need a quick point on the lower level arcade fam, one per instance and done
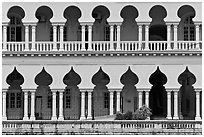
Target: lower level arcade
(74, 101)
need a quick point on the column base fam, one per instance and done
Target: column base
(60, 118)
(4, 118)
(89, 49)
(61, 49)
(25, 118)
(54, 49)
(82, 118)
(26, 50)
(32, 118)
(33, 50)
(54, 118)
(198, 118)
(169, 117)
(89, 117)
(175, 117)
(83, 49)
(4, 50)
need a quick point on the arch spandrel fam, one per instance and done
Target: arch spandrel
(29, 73)
(115, 72)
(172, 72)
(86, 72)
(143, 73)
(197, 71)
(6, 70)
(57, 72)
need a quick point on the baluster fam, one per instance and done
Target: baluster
(69, 46)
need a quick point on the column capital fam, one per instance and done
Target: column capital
(116, 89)
(198, 90)
(115, 23)
(84, 90)
(4, 90)
(175, 24)
(197, 24)
(86, 23)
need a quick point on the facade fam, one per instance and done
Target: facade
(77, 61)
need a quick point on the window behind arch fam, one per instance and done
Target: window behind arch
(14, 30)
(189, 29)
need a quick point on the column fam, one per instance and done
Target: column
(82, 105)
(197, 117)
(54, 116)
(197, 35)
(111, 37)
(140, 36)
(61, 115)
(61, 37)
(54, 38)
(140, 97)
(118, 101)
(147, 98)
(4, 117)
(33, 37)
(118, 36)
(89, 104)
(32, 115)
(111, 102)
(175, 37)
(168, 36)
(146, 37)
(25, 117)
(90, 37)
(83, 37)
(4, 37)
(175, 105)
(169, 104)
(26, 38)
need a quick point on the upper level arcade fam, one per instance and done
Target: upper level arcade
(96, 27)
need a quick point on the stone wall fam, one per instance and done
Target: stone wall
(147, 127)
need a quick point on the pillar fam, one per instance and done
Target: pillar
(54, 38)
(197, 26)
(140, 36)
(111, 102)
(146, 37)
(32, 115)
(61, 38)
(82, 105)
(83, 37)
(175, 105)
(4, 37)
(147, 98)
(111, 37)
(118, 101)
(197, 117)
(168, 36)
(118, 37)
(89, 37)
(54, 116)
(33, 37)
(25, 117)
(140, 97)
(89, 116)
(61, 115)
(4, 117)
(26, 38)
(175, 36)
(169, 104)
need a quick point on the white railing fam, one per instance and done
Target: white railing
(130, 46)
(188, 45)
(157, 45)
(15, 46)
(103, 127)
(44, 46)
(104, 46)
(72, 45)
(100, 45)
